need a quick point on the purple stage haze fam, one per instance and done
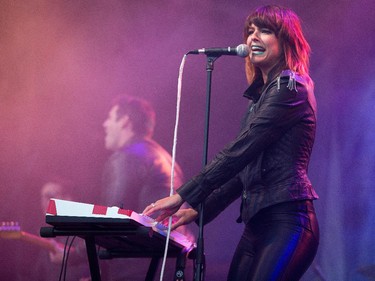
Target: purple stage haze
(63, 61)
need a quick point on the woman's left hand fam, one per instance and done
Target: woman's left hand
(166, 207)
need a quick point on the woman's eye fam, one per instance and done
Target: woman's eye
(249, 32)
(266, 31)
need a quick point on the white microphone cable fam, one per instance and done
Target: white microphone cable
(179, 86)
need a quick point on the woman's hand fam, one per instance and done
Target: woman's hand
(184, 216)
(165, 207)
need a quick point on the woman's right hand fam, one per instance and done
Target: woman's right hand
(184, 216)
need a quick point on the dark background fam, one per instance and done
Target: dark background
(61, 63)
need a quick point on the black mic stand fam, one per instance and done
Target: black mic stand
(200, 259)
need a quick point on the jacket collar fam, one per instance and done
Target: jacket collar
(254, 90)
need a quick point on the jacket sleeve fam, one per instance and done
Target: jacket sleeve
(278, 109)
(220, 199)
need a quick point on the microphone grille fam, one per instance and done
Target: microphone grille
(243, 50)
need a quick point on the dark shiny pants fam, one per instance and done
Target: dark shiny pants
(279, 243)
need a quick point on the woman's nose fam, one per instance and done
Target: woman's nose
(251, 39)
(254, 36)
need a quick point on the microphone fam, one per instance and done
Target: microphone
(241, 50)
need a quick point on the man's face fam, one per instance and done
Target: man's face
(113, 127)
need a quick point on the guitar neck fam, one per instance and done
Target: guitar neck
(36, 240)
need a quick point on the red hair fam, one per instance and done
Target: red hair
(287, 28)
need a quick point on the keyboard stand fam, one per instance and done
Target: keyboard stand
(120, 238)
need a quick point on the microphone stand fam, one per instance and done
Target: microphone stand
(200, 259)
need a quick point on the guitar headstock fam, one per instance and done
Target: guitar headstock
(10, 230)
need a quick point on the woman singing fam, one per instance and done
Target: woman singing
(266, 164)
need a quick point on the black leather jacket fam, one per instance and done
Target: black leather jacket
(267, 162)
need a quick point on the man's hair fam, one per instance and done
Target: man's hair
(67, 186)
(287, 28)
(140, 112)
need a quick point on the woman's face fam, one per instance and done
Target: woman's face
(265, 49)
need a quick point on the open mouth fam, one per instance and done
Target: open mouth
(257, 50)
